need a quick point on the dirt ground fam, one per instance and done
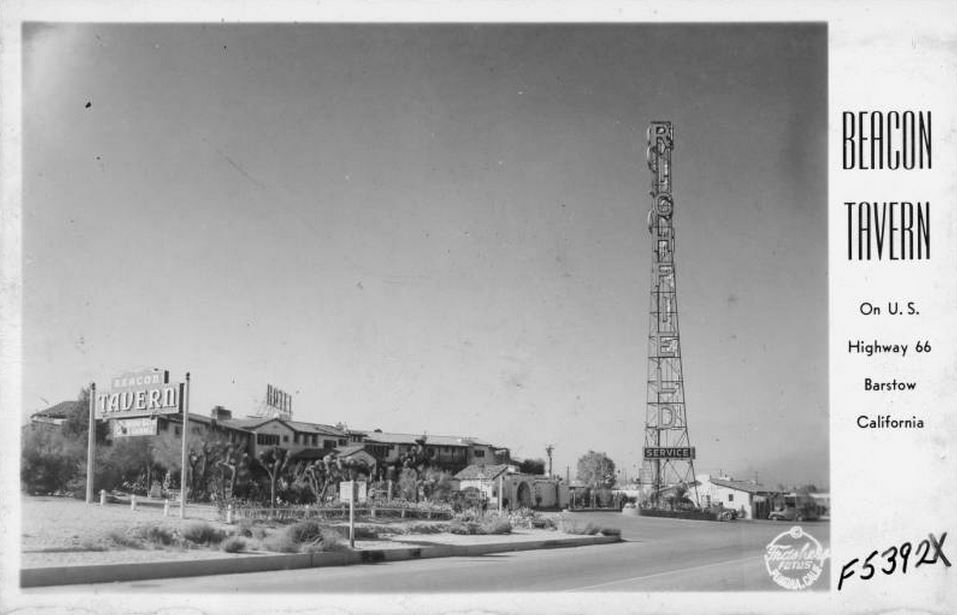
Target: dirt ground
(57, 531)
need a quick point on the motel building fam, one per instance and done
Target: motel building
(752, 500)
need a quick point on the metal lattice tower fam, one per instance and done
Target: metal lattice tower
(666, 420)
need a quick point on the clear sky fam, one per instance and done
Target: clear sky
(435, 229)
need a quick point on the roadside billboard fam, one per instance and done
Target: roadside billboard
(139, 393)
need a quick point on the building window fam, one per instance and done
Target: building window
(285, 438)
(343, 442)
(315, 439)
(295, 438)
(267, 439)
(177, 430)
(730, 497)
(328, 444)
(479, 453)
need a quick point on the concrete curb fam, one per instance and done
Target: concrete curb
(108, 573)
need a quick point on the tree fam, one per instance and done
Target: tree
(76, 425)
(596, 470)
(532, 466)
(48, 460)
(273, 460)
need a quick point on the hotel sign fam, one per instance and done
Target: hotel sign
(669, 452)
(139, 393)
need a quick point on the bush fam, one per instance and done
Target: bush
(571, 527)
(425, 528)
(329, 540)
(304, 531)
(122, 540)
(464, 528)
(234, 544)
(610, 531)
(246, 527)
(203, 533)
(497, 526)
(156, 535)
(281, 543)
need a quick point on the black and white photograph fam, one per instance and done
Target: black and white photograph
(383, 310)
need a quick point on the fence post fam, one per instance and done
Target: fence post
(166, 507)
(102, 497)
(229, 514)
(133, 503)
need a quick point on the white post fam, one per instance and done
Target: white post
(90, 445)
(229, 513)
(166, 507)
(102, 497)
(184, 399)
(133, 503)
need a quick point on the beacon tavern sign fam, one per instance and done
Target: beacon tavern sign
(139, 393)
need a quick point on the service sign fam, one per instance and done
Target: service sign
(669, 452)
(136, 393)
(139, 426)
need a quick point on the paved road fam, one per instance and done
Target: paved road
(659, 555)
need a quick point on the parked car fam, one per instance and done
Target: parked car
(791, 514)
(794, 507)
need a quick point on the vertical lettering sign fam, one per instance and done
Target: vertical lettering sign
(279, 400)
(139, 393)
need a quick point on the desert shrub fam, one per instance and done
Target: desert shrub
(123, 540)
(156, 535)
(246, 527)
(364, 532)
(203, 533)
(304, 531)
(234, 544)
(468, 514)
(571, 527)
(259, 533)
(497, 525)
(464, 528)
(425, 528)
(610, 531)
(280, 542)
(140, 537)
(328, 540)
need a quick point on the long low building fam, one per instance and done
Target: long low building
(303, 440)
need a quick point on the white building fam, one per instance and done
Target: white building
(518, 490)
(752, 500)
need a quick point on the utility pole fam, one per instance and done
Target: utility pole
(548, 451)
(184, 399)
(91, 445)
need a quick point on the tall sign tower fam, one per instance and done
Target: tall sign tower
(668, 465)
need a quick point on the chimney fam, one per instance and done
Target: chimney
(219, 413)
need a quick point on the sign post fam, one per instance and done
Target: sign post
(91, 444)
(184, 396)
(347, 493)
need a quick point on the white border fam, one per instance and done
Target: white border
(882, 55)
